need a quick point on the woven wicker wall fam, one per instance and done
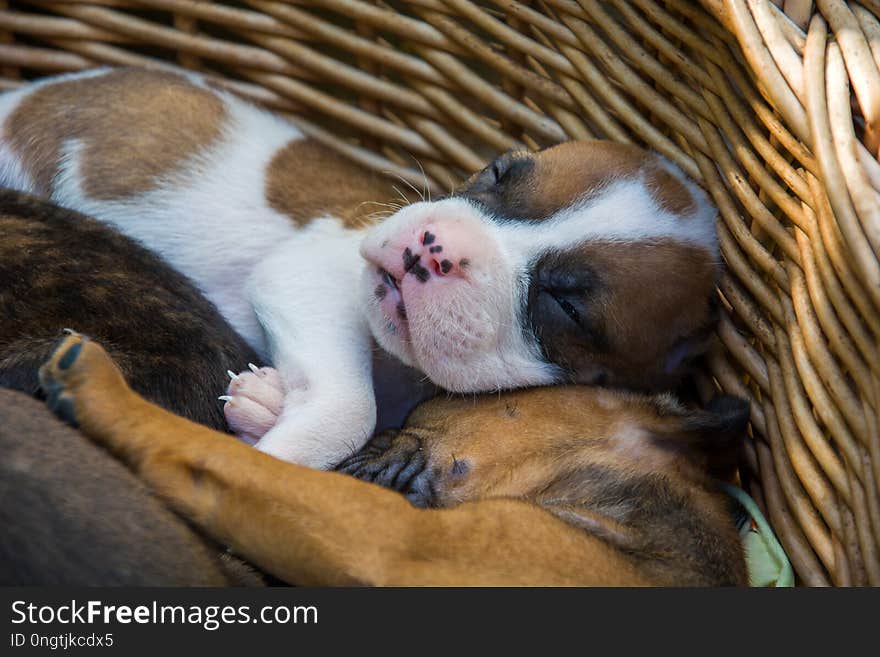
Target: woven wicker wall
(773, 106)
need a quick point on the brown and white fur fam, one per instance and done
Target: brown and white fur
(586, 262)
(560, 485)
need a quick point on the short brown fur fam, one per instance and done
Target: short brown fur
(563, 174)
(306, 179)
(517, 520)
(59, 268)
(71, 515)
(570, 172)
(669, 192)
(162, 119)
(642, 306)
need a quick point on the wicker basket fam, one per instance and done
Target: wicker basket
(773, 106)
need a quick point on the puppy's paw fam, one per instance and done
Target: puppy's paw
(396, 460)
(76, 368)
(254, 399)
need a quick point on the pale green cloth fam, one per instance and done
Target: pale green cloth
(765, 559)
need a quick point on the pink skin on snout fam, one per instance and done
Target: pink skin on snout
(436, 273)
(414, 267)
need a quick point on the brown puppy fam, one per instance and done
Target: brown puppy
(59, 268)
(73, 515)
(553, 486)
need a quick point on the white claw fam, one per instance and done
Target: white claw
(254, 368)
(225, 398)
(232, 375)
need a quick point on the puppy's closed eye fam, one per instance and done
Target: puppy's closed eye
(508, 167)
(560, 303)
(571, 289)
(570, 305)
(500, 174)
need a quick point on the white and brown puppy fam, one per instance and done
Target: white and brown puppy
(586, 262)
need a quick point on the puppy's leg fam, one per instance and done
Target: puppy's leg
(305, 296)
(302, 525)
(318, 528)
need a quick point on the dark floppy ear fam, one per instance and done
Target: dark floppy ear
(712, 436)
(725, 414)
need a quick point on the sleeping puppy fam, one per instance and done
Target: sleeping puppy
(59, 268)
(589, 262)
(564, 485)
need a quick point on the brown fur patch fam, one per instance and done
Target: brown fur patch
(669, 192)
(306, 179)
(647, 297)
(157, 121)
(61, 269)
(541, 184)
(574, 170)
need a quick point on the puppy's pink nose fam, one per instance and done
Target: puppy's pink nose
(446, 258)
(428, 250)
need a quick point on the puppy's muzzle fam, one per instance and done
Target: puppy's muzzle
(394, 460)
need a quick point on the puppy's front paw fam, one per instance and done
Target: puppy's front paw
(76, 369)
(393, 459)
(254, 399)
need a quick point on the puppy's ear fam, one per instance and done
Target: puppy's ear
(725, 414)
(711, 437)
